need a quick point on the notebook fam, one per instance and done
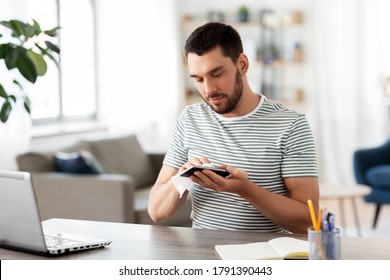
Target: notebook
(20, 224)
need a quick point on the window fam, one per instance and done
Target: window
(70, 92)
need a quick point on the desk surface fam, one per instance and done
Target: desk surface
(142, 242)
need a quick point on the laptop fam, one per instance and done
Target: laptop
(20, 223)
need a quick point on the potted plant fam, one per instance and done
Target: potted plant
(24, 46)
(243, 14)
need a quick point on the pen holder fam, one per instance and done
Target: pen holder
(324, 245)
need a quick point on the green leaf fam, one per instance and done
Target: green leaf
(3, 93)
(19, 28)
(27, 104)
(13, 97)
(6, 24)
(53, 47)
(37, 28)
(5, 111)
(29, 32)
(18, 84)
(27, 68)
(3, 50)
(49, 55)
(13, 53)
(38, 61)
(52, 32)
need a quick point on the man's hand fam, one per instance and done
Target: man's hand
(194, 161)
(234, 183)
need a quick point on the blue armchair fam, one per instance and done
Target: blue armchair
(372, 168)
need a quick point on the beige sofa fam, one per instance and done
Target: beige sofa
(120, 194)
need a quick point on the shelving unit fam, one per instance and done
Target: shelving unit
(274, 45)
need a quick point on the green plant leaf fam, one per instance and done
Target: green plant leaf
(18, 84)
(52, 32)
(13, 53)
(29, 32)
(3, 50)
(27, 68)
(27, 104)
(38, 61)
(49, 55)
(13, 97)
(37, 28)
(18, 27)
(3, 93)
(6, 24)
(53, 47)
(5, 111)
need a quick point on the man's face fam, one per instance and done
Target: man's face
(217, 79)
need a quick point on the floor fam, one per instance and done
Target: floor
(366, 215)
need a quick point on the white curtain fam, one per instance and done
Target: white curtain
(351, 53)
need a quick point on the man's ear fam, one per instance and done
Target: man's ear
(243, 63)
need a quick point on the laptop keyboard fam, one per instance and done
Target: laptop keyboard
(56, 242)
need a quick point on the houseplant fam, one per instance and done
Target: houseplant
(243, 14)
(24, 46)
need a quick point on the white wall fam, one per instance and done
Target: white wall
(14, 135)
(137, 71)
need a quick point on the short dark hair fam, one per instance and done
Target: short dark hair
(211, 35)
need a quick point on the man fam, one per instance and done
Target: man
(267, 148)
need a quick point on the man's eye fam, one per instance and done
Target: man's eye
(199, 80)
(216, 75)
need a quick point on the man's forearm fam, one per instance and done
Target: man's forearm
(164, 201)
(286, 212)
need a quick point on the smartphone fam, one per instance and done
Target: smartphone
(190, 171)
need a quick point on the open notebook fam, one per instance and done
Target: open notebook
(277, 248)
(20, 224)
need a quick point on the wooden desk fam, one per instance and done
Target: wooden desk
(340, 193)
(142, 242)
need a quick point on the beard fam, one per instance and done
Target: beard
(232, 101)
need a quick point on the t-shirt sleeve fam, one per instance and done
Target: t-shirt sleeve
(176, 155)
(299, 153)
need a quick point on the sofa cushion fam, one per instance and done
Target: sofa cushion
(44, 161)
(124, 155)
(82, 162)
(36, 162)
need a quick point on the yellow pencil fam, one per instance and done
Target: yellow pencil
(319, 219)
(312, 214)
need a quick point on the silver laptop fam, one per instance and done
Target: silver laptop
(20, 224)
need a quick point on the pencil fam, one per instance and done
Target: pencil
(313, 215)
(319, 220)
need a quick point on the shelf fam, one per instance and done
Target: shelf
(274, 46)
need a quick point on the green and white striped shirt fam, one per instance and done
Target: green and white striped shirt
(271, 143)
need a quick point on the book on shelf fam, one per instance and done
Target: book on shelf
(275, 249)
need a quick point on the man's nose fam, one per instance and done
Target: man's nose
(210, 87)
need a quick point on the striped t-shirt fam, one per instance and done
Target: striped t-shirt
(271, 143)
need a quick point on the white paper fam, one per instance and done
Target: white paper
(184, 183)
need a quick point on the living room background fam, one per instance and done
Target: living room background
(140, 75)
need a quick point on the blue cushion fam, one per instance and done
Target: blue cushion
(82, 162)
(379, 176)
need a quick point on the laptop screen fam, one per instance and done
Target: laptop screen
(20, 223)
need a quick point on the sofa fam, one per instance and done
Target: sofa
(100, 180)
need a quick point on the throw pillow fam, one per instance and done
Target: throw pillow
(82, 162)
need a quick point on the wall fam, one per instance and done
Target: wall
(137, 71)
(14, 134)
(303, 73)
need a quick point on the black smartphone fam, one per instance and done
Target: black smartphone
(190, 171)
